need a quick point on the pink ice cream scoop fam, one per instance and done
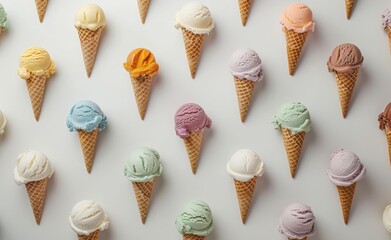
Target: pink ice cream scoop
(190, 117)
(298, 17)
(345, 168)
(297, 221)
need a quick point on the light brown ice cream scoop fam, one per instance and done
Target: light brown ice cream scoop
(345, 58)
(385, 117)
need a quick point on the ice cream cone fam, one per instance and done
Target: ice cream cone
(193, 147)
(36, 86)
(193, 43)
(91, 236)
(244, 91)
(294, 43)
(143, 6)
(346, 84)
(41, 8)
(293, 145)
(89, 41)
(88, 143)
(244, 6)
(346, 197)
(142, 90)
(297, 238)
(143, 192)
(37, 192)
(349, 7)
(388, 134)
(389, 37)
(244, 193)
(192, 237)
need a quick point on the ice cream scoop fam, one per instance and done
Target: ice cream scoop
(190, 117)
(345, 58)
(386, 19)
(387, 218)
(195, 17)
(244, 165)
(297, 221)
(90, 16)
(87, 116)
(298, 17)
(385, 118)
(345, 168)
(87, 217)
(3, 122)
(32, 166)
(195, 219)
(37, 61)
(246, 64)
(143, 165)
(3, 19)
(293, 116)
(141, 62)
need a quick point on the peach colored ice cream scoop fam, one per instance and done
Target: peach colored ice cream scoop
(298, 17)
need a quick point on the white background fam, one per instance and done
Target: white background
(213, 88)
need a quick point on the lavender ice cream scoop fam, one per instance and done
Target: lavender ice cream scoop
(386, 19)
(190, 117)
(246, 64)
(345, 168)
(297, 221)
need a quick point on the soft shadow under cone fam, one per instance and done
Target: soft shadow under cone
(36, 86)
(92, 236)
(143, 6)
(346, 83)
(88, 143)
(294, 44)
(192, 237)
(244, 193)
(346, 195)
(244, 6)
(89, 41)
(193, 43)
(244, 91)
(193, 147)
(293, 145)
(37, 192)
(349, 7)
(41, 8)
(142, 90)
(143, 192)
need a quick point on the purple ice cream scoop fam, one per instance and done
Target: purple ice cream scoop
(190, 117)
(246, 64)
(386, 19)
(297, 221)
(345, 168)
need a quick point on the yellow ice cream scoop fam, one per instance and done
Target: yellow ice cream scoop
(141, 62)
(37, 61)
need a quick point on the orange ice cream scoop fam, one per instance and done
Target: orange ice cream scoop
(298, 17)
(141, 62)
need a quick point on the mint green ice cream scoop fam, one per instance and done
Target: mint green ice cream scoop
(293, 116)
(3, 18)
(196, 219)
(143, 165)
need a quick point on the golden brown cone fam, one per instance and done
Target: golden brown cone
(244, 6)
(244, 91)
(297, 238)
(193, 44)
(388, 134)
(293, 145)
(142, 90)
(89, 41)
(349, 7)
(294, 43)
(41, 8)
(36, 86)
(193, 147)
(37, 192)
(346, 195)
(192, 237)
(143, 6)
(244, 193)
(88, 143)
(91, 236)
(389, 37)
(346, 83)
(143, 192)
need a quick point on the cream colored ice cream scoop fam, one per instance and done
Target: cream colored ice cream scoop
(90, 16)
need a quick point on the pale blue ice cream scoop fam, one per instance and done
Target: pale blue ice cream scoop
(87, 116)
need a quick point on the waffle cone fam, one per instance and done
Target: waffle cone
(89, 41)
(346, 195)
(192, 237)
(388, 134)
(294, 43)
(389, 37)
(244, 91)
(37, 192)
(244, 193)
(193, 147)
(297, 238)
(91, 236)
(143, 192)
(193, 43)
(143, 6)
(346, 84)
(41, 8)
(142, 90)
(244, 7)
(88, 143)
(36, 86)
(349, 7)
(293, 145)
